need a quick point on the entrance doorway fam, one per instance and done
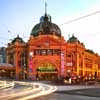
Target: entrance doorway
(47, 71)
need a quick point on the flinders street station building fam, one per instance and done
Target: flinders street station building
(48, 56)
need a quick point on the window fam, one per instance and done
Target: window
(47, 51)
(56, 51)
(43, 52)
(68, 55)
(50, 52)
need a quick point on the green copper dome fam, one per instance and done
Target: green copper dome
(19, 39)
(45, 27)
(73, 39)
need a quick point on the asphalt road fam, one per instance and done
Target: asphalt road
(71, 92)
(85, 94)
(6, 93)
(91, 92)
(25, 91)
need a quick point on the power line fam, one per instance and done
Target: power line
(70, 21)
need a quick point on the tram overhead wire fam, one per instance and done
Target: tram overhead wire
(82, 17)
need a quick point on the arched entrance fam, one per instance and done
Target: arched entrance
(46, 71)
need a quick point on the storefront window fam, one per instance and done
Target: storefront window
(47, 67)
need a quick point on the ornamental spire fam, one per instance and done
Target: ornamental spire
(45, 7)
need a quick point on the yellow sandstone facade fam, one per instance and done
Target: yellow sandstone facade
(48, 56)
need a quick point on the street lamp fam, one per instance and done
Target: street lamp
(31, 54)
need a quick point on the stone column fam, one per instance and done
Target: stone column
(17, 66)
(83, 65)
(77, 64)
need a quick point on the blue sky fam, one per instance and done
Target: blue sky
(20, 16)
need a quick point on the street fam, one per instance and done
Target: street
(42, 91)
(25, 90)
(74, 92)
(59, 96)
